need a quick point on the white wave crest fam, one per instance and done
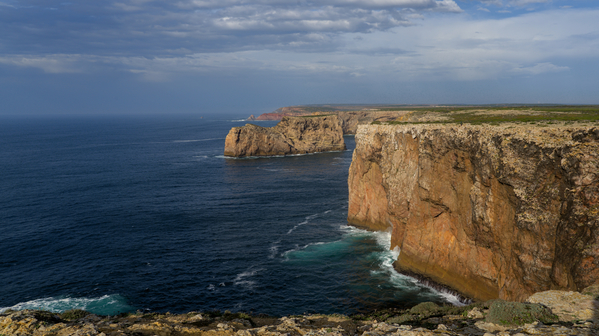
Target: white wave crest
(274, 249)
(389, 256)
(197, 140)
(308, 219)
(242, 278)
(104, 305)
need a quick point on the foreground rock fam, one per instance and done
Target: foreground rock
(490, 211)
(293, 135)
(488, 318)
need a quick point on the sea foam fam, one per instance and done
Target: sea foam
(104, 305)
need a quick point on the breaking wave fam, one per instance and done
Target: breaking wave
(104, 305)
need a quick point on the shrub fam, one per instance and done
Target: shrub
(516, 313)
(73, 314)
(425, 308)
(402, 319)
(46, 316)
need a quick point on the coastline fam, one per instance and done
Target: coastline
(482, 318)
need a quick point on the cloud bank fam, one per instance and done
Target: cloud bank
(150, 28)
(355, 45)
(441, 49)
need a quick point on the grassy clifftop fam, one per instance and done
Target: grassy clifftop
(496, 115)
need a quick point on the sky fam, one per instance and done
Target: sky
(253, 56)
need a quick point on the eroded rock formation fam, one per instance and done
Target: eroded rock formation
(292, 135)
(490, 211)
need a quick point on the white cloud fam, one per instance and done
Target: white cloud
(327, 19)
(540, 68)
(416, 4)
(522, 3)
(492, 2)
(447, 48)
(49, 64)
(152, 27)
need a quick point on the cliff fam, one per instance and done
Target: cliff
(292, 135)
(490, 211)
(349, 119)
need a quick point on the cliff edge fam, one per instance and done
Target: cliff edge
(490, 211)
(292, 135)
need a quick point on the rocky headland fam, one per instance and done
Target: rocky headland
(353, 115)
(503, 213)
(349, 119)
(491, 211)
(292, 135)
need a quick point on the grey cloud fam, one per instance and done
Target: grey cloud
(154, 28)
(512, 3)
(490, 2)
(381, 52)
(419, 4)
(540, 68)
(526, 2)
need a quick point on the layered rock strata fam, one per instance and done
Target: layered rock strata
(490, 211)
(292, 135)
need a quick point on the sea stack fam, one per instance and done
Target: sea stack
(292, 135)
(490, 211)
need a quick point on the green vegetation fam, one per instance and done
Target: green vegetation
(466, 108)
(73, 314)
(524, 118)
(471, 114)
(318, 109)
(316, 116)
(46, 316)
(425, 308)
(419, 313)
(516, 313)
(542, 116)
(401, 319)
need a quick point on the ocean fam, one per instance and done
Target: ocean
(117, 214)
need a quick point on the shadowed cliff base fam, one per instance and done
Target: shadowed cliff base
(292, 135)
(440, 287)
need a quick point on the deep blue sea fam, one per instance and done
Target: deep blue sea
(116, 214)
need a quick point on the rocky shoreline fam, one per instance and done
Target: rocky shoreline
(546, 313)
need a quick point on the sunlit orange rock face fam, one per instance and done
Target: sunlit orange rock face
(292, 135)
(490, 211)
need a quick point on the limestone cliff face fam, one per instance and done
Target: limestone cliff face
(490, 211)
(292, 135)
